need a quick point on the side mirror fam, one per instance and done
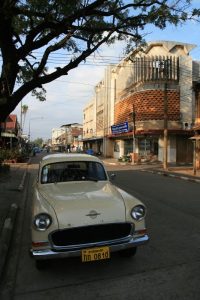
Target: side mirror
(112, 176)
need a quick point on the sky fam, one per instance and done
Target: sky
(67, 96)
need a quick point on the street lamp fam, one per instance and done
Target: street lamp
(29, 128)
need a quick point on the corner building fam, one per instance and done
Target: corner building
(151, 90)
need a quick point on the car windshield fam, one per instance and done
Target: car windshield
(73, 171)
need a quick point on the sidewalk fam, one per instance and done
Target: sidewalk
(11, 187)
(184, 172)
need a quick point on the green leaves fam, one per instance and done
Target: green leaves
(39, 93)
(33, 30)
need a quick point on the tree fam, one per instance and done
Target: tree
(24, 109)
(31, 31)
(39, 142)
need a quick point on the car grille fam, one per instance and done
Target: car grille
(90, 234)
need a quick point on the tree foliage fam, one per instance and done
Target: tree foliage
(24, 109)
(32, 31)
(39, 142)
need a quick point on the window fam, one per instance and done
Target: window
(73, 171)
(128, 147)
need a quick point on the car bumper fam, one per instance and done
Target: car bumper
(50, 254)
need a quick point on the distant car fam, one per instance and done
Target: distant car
(90, 151)
(77, 211)
(36, 150)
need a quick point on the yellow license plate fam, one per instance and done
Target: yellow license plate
(92, 254)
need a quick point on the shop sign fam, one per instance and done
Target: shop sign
(119, 128)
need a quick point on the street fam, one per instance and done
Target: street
(168, 267)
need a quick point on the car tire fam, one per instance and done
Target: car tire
(41, 264)
(128, 252)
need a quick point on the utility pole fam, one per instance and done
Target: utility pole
(133, 119)
(165, 134)
(21, 120)
(165, 118)
(29, 128)
(194, 156)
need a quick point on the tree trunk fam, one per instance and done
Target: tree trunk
(7, 105)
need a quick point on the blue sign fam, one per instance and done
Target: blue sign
(119, 128)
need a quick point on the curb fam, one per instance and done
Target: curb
(183, 177)
(6, 234)
(21, 186)
(110, 163)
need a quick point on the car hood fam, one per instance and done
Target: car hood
(81, 204)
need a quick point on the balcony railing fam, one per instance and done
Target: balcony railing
(156, 68)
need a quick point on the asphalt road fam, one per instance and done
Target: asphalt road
(167, 268)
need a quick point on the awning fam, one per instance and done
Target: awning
(92, 139)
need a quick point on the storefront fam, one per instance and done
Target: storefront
(8, 140)
(146, 147)
(95, 144)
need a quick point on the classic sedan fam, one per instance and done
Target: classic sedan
(77, 211)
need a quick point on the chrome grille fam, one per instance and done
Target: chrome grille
(90, 234)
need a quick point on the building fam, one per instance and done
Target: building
(98, 116)
(68, 137)
(89, 125)
(148, 104)
(9, 132)
(56, 135)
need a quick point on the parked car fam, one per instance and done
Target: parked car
(77, 211)
(36, 150)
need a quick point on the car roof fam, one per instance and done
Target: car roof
(65, 157)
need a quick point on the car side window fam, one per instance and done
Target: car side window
(100, 171)
(45, 175)
(50, 174)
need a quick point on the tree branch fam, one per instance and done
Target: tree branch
(34, 83)
(48, 51)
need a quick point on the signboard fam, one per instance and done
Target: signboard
(8, 134)
(119, 128)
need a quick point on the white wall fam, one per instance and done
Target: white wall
(186, 92)
(171, 151)
(56, 132)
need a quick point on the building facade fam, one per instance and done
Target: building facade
(98, 116)
(150, 104)
(68, 137)
(9, 132)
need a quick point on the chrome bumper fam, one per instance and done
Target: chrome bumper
(49, 254)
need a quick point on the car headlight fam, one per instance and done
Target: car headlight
(42, 221)
(138, 212)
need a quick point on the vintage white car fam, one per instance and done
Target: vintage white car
(77, 211)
